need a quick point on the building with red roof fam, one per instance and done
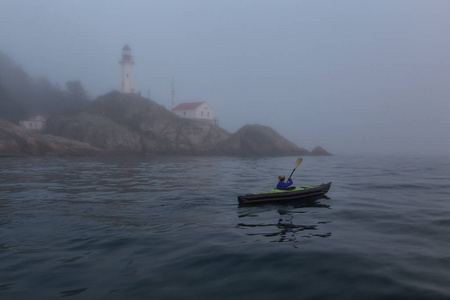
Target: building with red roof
(195, 110)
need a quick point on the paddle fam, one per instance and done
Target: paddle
(297, 163)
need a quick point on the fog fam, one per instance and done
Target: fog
(354, 77)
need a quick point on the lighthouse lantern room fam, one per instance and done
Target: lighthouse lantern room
(126, 70)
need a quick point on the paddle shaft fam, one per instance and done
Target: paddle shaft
(290, 175)
(297, 163)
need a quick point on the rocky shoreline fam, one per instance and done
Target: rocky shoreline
(126, 124)
(16, 141)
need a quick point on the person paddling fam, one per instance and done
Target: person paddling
(283, 185)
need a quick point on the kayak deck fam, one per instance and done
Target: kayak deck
(276, 195)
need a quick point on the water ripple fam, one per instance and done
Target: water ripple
(171, 228)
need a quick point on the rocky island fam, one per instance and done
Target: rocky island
(118, 123)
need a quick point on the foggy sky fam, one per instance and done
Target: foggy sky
(352, 76)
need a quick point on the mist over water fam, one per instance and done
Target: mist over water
(171, 227)
(353, 77)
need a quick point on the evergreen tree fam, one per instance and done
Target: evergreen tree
(9, 109)
(49, 98)
(76, 96)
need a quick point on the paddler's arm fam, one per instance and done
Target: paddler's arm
(289, 182)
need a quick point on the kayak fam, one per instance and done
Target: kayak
(276, 195)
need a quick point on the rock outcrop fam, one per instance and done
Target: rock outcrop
(97, 131)
(122, 123)
(319, 151)
(258, 140)
(18, 141)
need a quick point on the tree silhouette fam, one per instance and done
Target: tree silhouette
(75, 91)
(9, 109)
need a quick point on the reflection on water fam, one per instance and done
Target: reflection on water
(72, 292)
(286, 229)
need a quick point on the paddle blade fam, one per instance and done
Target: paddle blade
(298, 162)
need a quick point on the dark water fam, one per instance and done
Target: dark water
(170, 228)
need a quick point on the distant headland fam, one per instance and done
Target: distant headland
(67, 123)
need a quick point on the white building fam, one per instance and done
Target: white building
(126, 70)
(36, 123)
(195, 110)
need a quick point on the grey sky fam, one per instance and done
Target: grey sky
(351, 76)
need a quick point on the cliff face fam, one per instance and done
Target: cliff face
(17, 141)
(97, 131)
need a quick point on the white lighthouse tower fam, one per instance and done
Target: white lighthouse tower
(126, 70)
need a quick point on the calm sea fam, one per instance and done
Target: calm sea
(171, 228)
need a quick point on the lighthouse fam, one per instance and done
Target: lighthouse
(126, 70)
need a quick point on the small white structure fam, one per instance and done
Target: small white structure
(37, 123)
(126, 70)
(195, 110)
